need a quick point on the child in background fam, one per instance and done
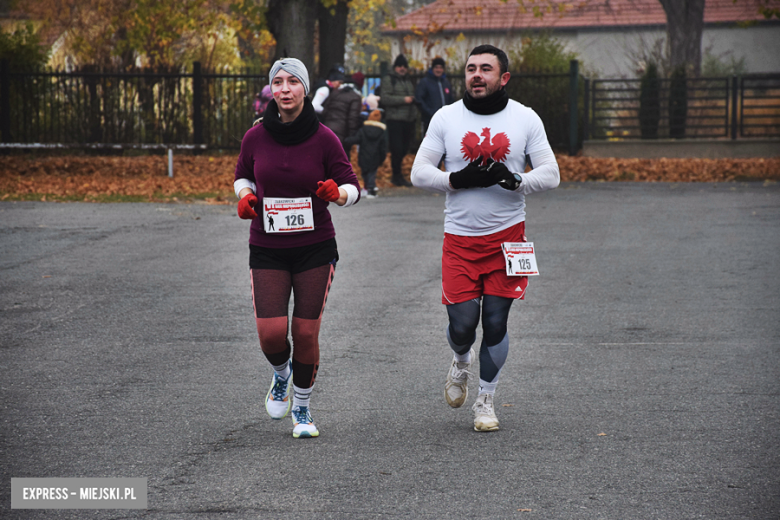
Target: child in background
(372, 138)
(261, 101)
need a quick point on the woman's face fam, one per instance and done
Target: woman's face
(289, 93)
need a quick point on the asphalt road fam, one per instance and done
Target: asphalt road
(642, 382)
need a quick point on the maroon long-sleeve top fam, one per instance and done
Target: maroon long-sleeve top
(292, 172)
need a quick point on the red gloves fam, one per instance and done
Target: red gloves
(245, 206)
(328, 190)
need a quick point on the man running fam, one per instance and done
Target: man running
(485, 139)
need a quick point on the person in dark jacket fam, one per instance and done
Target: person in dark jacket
(341, 112)
(433, 91)
(372, 138)
(400, 113)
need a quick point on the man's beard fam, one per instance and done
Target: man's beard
(488, 89)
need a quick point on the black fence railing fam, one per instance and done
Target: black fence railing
(203, 109)
(209, 109)
(747, 106)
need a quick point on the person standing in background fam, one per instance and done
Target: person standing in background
(372, 152)
(322, 89)
(433, 91)
(400, 115)
(341, 112)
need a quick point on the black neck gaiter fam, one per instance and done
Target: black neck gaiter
(295, 132)
(495, 102)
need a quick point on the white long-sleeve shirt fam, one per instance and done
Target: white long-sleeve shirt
(508, 136)
(319, 98)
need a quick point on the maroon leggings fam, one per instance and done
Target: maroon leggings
(271, 295)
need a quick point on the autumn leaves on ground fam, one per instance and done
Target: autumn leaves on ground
(209, 179)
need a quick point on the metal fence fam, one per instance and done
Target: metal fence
(99, 109)
(94, 107)
(746, 106)
(213, 110)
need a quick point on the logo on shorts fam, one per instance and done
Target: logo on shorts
(495, 148)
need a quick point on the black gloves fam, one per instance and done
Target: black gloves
(503, 177)
(476, 176)
(472, 176)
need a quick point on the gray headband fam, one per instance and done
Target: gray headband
(291, 66)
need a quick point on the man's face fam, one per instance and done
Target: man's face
(335, 84)
(401, 70)
(438, 70)
(483, 75)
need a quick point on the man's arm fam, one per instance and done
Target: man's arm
(545, 174)
(425, 170)
(426, 173)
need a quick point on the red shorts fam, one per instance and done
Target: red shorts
(475, 266)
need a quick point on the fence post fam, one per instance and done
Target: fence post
(197, 103)
(573, 112)
(5, 101)
(734, 97)
(586, 108)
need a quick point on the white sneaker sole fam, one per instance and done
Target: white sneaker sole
(306, 434)
(485, 426)
(268, 401)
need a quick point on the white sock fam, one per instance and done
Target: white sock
(487, 388)
(463, 358)
(283, 371)
(301, 396)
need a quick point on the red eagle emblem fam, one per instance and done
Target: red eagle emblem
(496, 148)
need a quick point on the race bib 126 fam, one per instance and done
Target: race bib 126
(287, 215)
(520, 258)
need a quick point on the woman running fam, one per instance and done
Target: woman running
(294, 167)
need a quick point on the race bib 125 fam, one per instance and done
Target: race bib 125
(520, 258)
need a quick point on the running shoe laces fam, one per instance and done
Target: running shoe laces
(277, 400)
(456, 389)
(485, 419)
(279, 389)
(303, 425)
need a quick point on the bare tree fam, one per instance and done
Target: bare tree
(684, 25)
(333, 34)
(292, 24)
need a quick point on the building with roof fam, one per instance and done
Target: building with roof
(609, 36)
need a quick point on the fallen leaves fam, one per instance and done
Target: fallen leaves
(210, 178)
(668, 170)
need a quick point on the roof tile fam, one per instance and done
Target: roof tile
(497, 15)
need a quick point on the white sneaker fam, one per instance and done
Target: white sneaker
(303, 426)
(277, 400)
(485, 419)
(456, 389)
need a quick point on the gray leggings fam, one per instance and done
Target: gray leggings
(462, 332)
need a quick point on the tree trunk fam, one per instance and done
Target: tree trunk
(684, 24)
(292, 24)
(333, 34)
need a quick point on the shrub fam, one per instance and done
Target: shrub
(649, 103)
